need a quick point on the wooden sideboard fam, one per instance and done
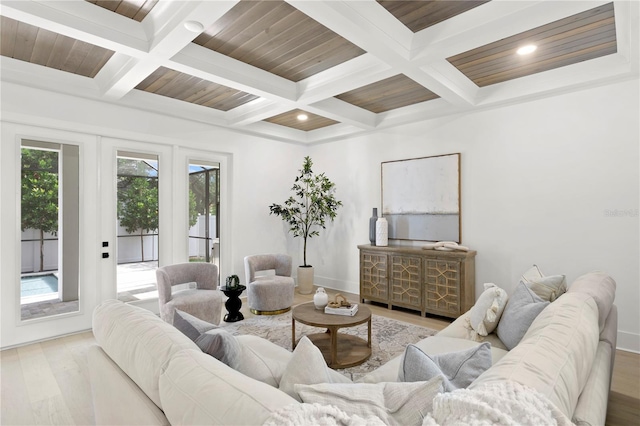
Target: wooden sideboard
(430, 281)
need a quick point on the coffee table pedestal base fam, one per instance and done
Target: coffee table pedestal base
(350, 350)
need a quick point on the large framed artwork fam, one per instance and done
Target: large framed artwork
(421, 198)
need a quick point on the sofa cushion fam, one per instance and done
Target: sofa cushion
(461, 329)
(457, 369)
(485, 314)
(556, 355)
(522, 308)
(221, 345)
(433, 345)
(307, 366)
(197, 389)
(191, 326)
(394, 403)
(139, 342)
(547, 287)
(602, 288)
(262, 360)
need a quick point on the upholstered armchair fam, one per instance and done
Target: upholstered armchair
(269, 294)
(204, 301)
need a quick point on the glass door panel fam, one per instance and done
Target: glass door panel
(49, 225)
(137, 226)
(204, 207)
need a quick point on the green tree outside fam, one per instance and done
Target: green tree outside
(39, 187)
(138, 206)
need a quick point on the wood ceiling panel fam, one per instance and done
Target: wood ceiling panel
(418, 15)
(42, 47)
(290, 119)
(391, 93)
(587, 35)
(185, 87)
(276, 37)
(134, 9)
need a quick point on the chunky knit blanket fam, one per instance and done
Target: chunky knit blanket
(317, 414)
(501, 403)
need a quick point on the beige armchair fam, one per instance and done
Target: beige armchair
(204, 301)
(269, 294)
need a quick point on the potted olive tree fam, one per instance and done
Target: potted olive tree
(308, 209)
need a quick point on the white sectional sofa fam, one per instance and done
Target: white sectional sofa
(145, 371)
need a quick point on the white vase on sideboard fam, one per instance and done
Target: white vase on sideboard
(382, 232)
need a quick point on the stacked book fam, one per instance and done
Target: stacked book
(343, 310)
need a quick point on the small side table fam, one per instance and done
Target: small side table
(233, 303)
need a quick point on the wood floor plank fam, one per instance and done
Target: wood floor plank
(52, 411)
(67, 358)
(15, 408)
(38, 377)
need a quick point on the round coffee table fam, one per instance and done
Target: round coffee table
(339, 350)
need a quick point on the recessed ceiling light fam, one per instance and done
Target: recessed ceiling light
(525, 50)
(194, 26)
(302, 117)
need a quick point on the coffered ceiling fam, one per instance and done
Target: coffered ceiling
(348, 66)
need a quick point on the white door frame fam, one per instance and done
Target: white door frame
(15, 331)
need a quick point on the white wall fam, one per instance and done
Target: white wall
(539, 181)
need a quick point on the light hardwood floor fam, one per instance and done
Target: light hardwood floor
(47, 383)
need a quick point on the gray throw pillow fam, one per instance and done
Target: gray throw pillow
(221, 345)
(191, 326)
(522, 308)
(457, 369)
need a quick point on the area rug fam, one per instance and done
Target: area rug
(389, 337)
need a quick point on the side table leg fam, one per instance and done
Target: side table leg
(293, 333)
(369, 332)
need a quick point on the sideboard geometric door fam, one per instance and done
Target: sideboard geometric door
(374, 284)
(406, 281)
(442, 287)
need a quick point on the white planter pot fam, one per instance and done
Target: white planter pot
(305, 279)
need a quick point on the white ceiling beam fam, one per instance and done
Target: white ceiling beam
(218, 68)
(343, 112)
(257, 110)
(82, 21)
(168, 36)
(605, 69)
(353, 74)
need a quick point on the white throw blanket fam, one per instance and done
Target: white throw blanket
(317, 414)
(500, 403)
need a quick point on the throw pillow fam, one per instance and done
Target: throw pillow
(457, 369)
(307, 366)
(547, 287)
(395, 403)
(191, 326)
(221, 345)
(522, 308)
(485, 314)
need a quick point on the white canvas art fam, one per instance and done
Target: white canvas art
(421, 198)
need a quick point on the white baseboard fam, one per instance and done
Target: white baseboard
(629, 342)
